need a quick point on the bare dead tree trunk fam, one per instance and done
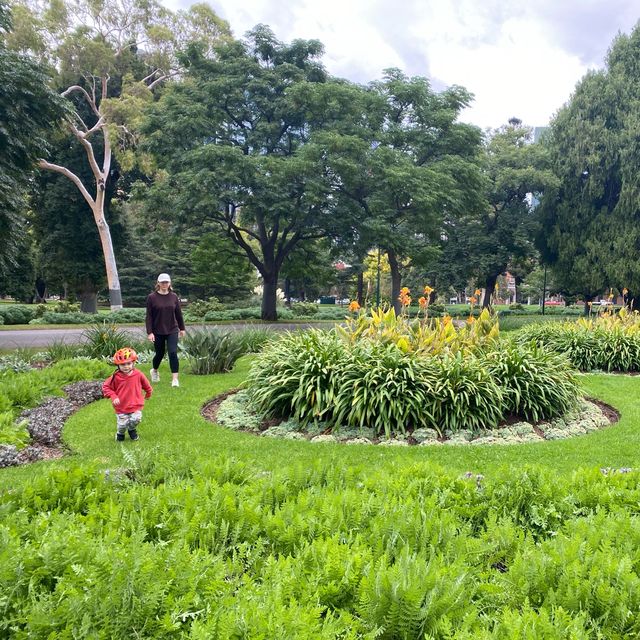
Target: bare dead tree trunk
(101, 174)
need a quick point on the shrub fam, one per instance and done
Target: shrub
(74, 370)
(51, 317)
(379, 386)
(103, 340)
(466, 396)
(59, 350)
(391, 375)
(326, 312)
(535, 383)
(12, 433)
(64, 306)
(124, 315)
(294, 376)
(17, 313)
(212, 351)
(254, 339)
(198, 309)
(247, 313)
(607, 343)
(304, 309)
(14, 363)
(24, 390)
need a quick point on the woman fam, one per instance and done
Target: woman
(164, 325)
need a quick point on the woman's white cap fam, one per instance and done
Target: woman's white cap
(164, 277)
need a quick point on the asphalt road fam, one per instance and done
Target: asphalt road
(43, 337)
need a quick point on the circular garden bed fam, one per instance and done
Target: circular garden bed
(232, 410)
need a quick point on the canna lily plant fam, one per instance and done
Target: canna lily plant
(439, 335)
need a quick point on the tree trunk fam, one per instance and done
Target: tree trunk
(269, 298)
(88, 301)
(587, 307)
(287, 291)
(101, 176)
(361, 288)
(115, 294)
(490, 286)
(396, 280)
(41, 291)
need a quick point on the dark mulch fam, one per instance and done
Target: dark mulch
(210, 410)
(613, 415)
(45, 422)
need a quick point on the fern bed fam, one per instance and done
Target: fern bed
(197, 531)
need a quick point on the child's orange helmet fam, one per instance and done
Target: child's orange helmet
(124, 355)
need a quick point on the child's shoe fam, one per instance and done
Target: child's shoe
(155, 376)
(119, 437)
(175, 382)
(133, 434)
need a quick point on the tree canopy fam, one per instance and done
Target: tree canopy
(28, 110)
(590, 232)
(408, 166)
(233, 143)
(109, 56)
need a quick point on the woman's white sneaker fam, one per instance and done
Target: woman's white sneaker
(155, 376)
(175, 382)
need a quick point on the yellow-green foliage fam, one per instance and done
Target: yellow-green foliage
(435, 336)
(608, 342)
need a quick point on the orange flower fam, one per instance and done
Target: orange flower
(428, 290)
(473, 299)
(404, 291)
(625, 291)
(477, 292)
(405, 299)
(423, 302)
(354, 306)
(470, 320)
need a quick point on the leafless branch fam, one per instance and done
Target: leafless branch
(44, 164)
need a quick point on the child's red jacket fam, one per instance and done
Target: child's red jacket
(129, 389)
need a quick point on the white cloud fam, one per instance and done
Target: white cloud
(519, 73)
(519, 58)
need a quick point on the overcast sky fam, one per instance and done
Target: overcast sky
(519, 58)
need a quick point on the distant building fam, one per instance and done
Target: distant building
(538, 133)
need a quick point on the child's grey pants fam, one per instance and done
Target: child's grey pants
(128, 421)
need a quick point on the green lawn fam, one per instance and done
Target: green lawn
(172, 420)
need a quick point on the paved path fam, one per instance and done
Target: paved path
(43, 337)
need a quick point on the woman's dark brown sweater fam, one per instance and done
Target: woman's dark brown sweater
(164, 315)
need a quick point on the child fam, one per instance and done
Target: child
(125, 388)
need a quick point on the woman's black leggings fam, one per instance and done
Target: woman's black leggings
(171, 342)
